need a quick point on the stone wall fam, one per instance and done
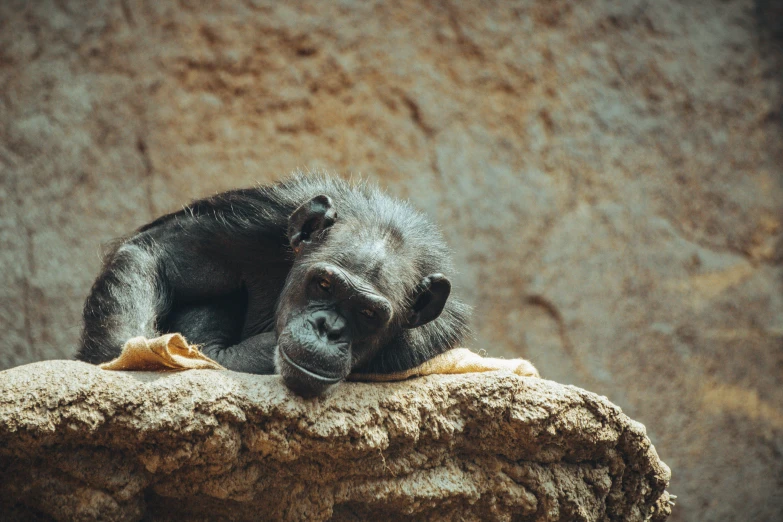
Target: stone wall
(608, 173)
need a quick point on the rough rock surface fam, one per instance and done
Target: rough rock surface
(607, 171)
(79, 443)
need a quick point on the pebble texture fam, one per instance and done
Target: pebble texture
(80, 443)
(608, 173)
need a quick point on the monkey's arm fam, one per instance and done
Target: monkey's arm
(253, 355)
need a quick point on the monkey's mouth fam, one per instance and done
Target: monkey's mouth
(325, 379)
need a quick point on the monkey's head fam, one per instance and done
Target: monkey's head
(361, 280)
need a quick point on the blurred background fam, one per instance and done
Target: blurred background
(609, 174)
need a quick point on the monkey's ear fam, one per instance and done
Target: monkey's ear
(309, 219)
(431, 296)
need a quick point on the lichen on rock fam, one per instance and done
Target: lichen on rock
(79, 443)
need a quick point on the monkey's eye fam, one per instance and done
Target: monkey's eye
(325, 284)
(368, 313)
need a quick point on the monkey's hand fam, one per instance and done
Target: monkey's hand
(170, 352)
(458, 360)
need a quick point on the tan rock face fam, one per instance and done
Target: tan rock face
(608, 174)
(79, 443)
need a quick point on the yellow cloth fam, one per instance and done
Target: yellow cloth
(457, 360)
(171, 352)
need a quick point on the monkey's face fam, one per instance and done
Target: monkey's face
(329, 322)
(332, 315)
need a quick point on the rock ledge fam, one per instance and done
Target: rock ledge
(79, 443)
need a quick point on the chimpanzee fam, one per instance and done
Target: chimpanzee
(312, 278)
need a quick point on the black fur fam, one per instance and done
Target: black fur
(223, 272)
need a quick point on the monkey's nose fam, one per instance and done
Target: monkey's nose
(330, 325)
